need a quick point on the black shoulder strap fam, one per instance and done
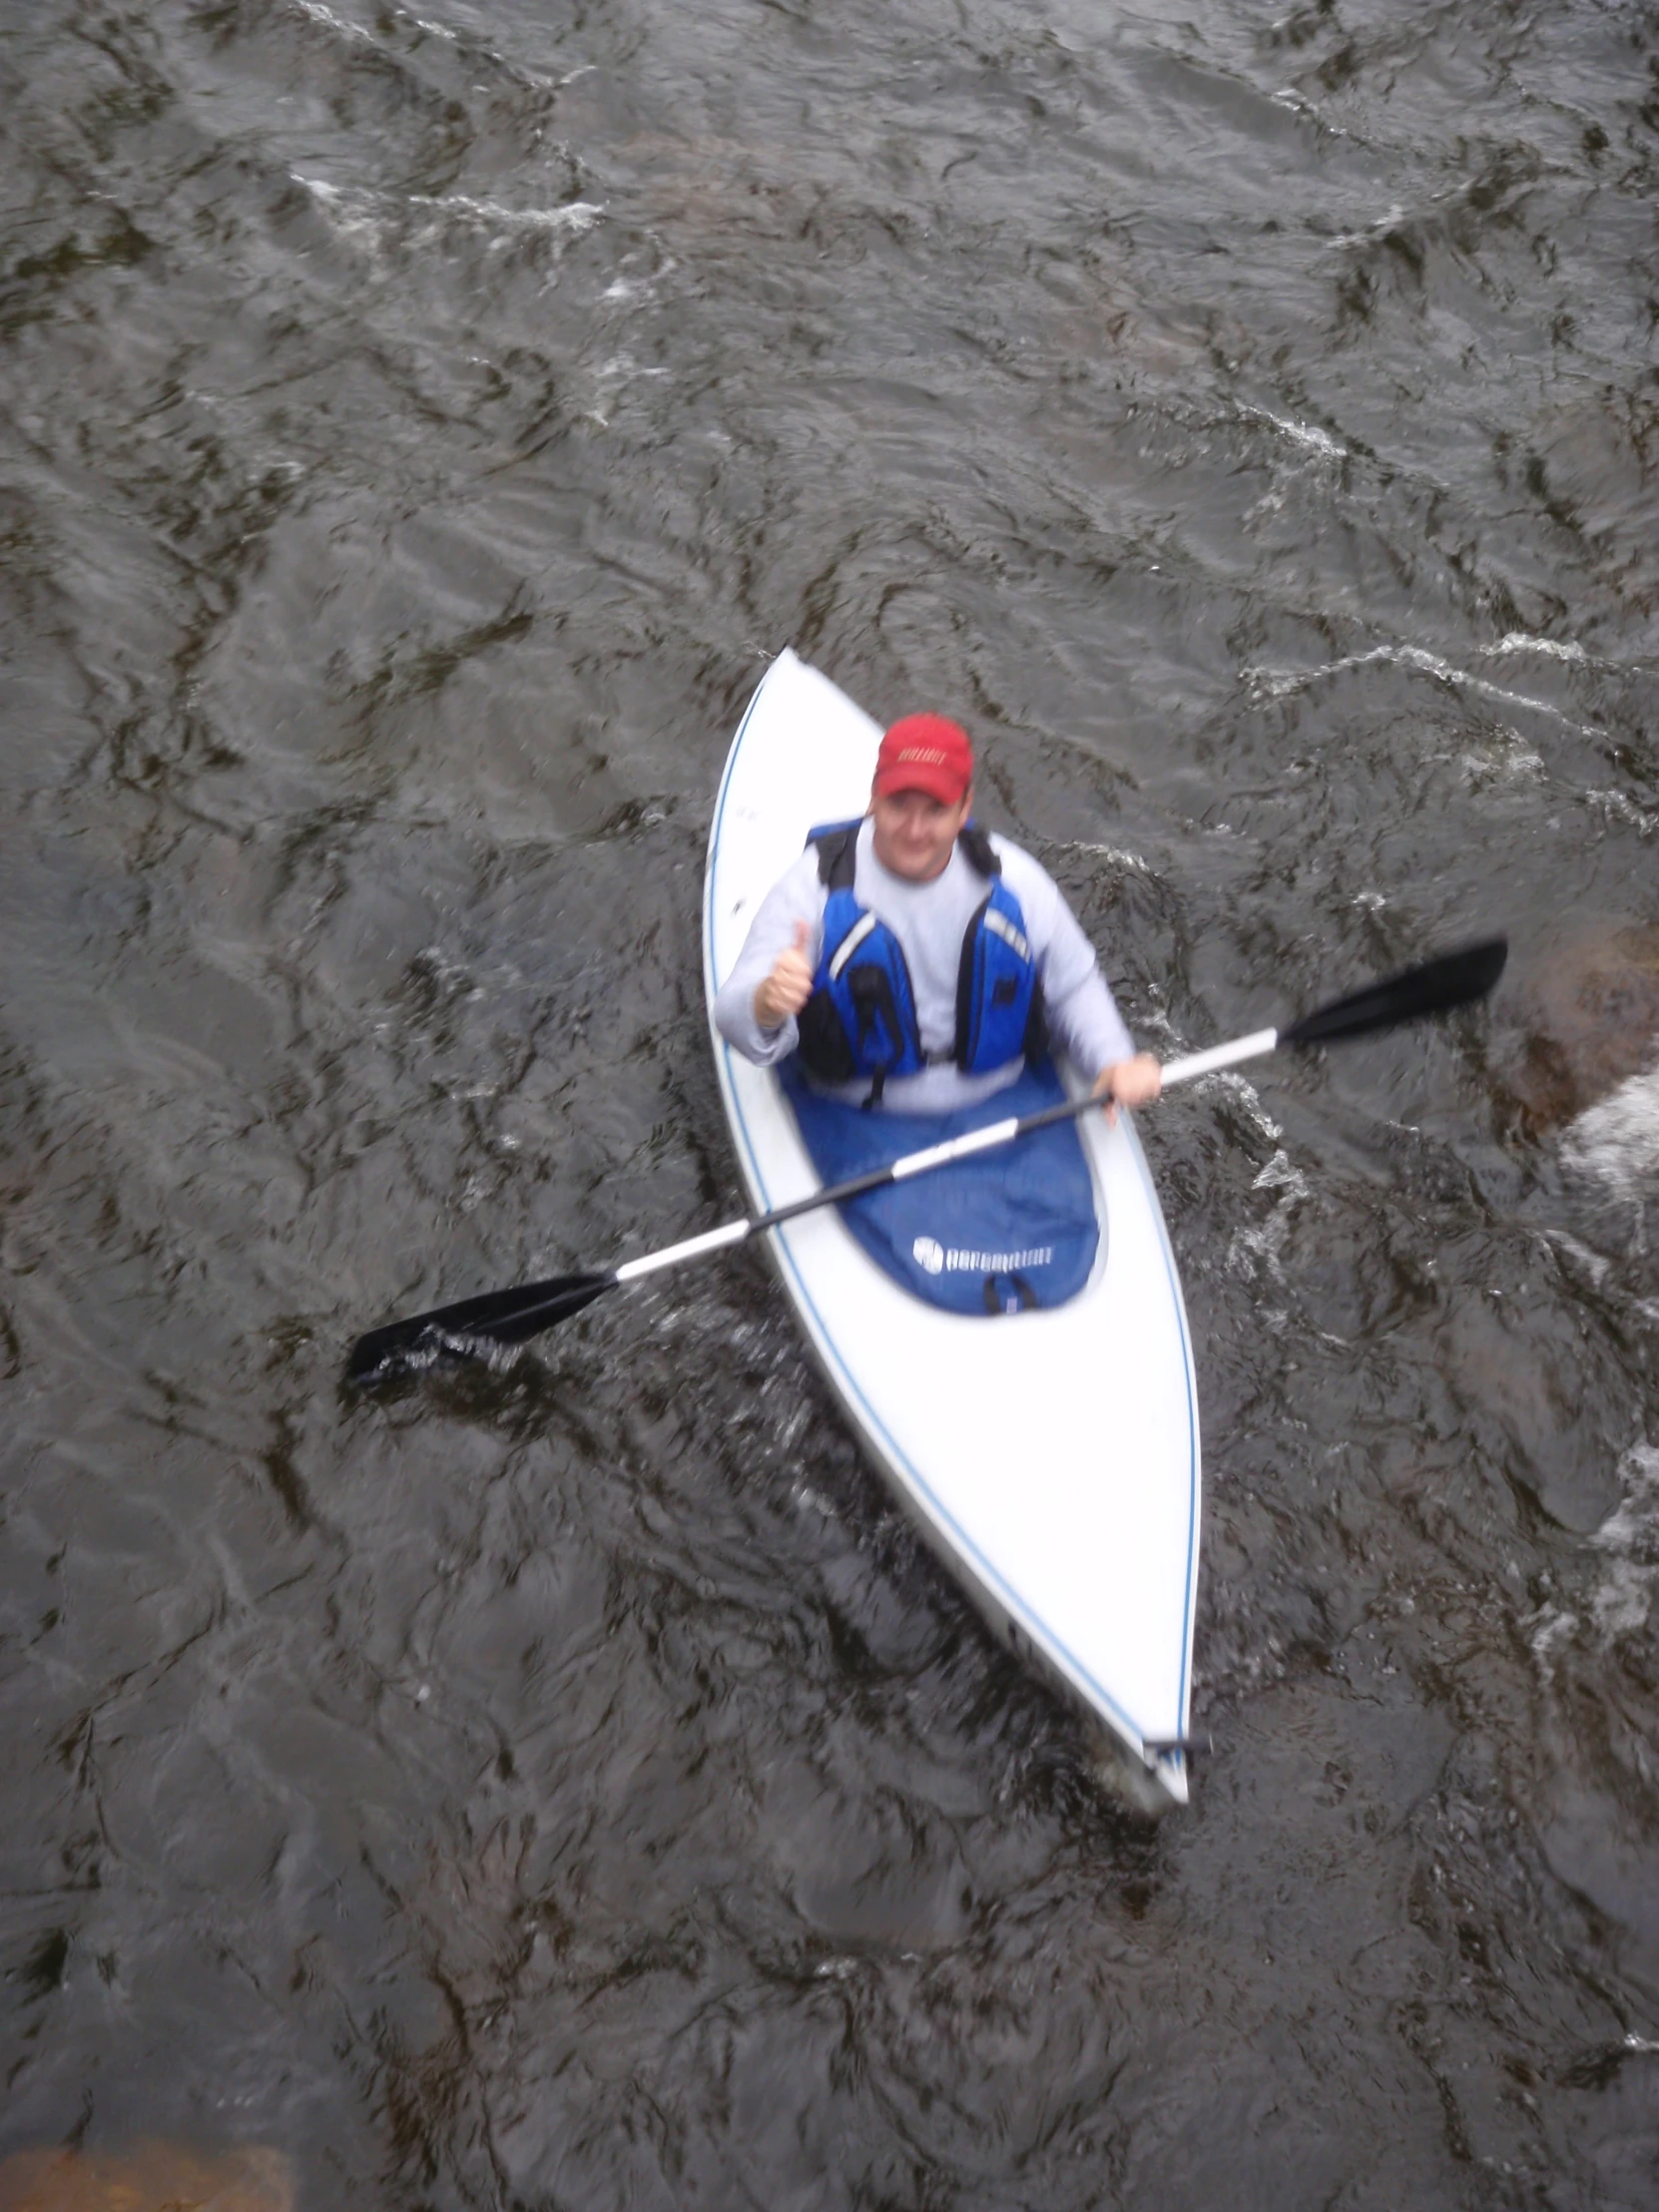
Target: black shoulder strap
(976, 845)
(838, 853)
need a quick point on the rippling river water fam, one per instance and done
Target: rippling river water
(573, 1788)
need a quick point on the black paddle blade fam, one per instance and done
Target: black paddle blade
(473, 1329)
(1433, 988)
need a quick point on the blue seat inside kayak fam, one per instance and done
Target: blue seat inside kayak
(993, 1234)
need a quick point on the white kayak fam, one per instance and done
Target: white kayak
(1051, 1460)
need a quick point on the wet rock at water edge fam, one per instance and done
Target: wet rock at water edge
(152, 2177)
(1591, 1021)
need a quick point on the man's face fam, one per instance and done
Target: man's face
(914, 831)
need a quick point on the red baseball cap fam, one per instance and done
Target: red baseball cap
(925, 753)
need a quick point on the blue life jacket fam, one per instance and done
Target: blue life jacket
(861, 1017)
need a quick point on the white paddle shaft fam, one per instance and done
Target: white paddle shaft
(994, 1133)
(1003, 1131)
(957, 1148)
(713, 1240)
(1220, 1056)
(940, 1155)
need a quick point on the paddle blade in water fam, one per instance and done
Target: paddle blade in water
(473, 1328)
(1433, 988)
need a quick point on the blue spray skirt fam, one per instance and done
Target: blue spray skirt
(992, 1233)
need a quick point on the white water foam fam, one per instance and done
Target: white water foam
(351, 215)
(1308, 435)
(1289, 97)
(342, 27)
(1502, 758)
(572, 219)
(1270, 683)
(1616, 1142)
(1549, 1627)
(1131, 861)
(1517, 641)
(1254, 1250)
(1345, 241)
(329, 21)
(1619, 807)
(1279, 1175)
(1630, 1538)
(1248, 1096)
(366, 219)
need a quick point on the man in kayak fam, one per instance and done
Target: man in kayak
(915, 962)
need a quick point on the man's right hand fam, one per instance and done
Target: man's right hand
(1135, 1082)
(788, 986)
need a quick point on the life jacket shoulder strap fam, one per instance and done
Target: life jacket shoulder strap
(976, 845)
(836, 843)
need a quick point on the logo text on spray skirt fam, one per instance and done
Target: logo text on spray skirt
(938, 1259)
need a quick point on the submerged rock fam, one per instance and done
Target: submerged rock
(1591, 1016)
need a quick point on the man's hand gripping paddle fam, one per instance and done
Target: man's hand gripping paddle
(480, 1328)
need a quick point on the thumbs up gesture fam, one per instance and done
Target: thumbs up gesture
(790, 985)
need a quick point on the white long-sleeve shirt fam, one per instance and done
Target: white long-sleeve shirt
(929, 921)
